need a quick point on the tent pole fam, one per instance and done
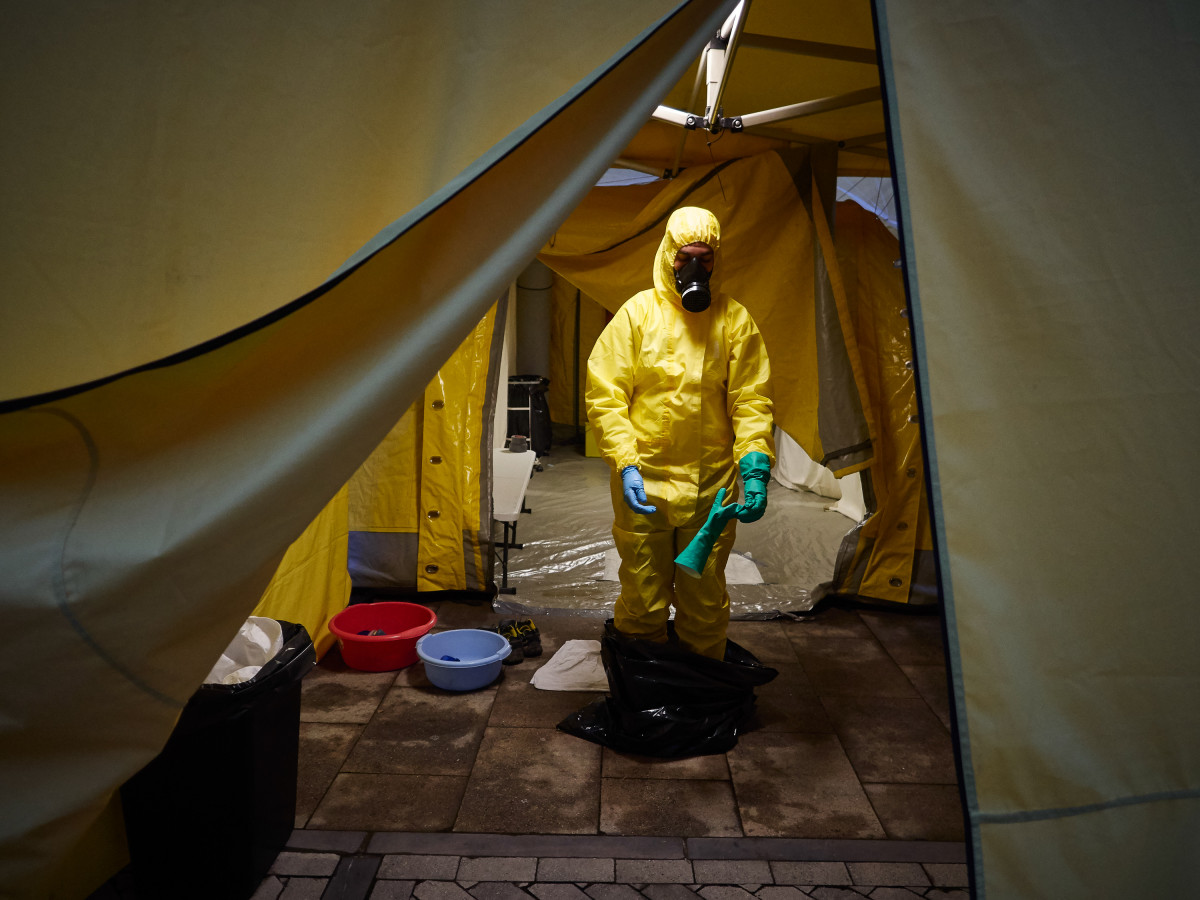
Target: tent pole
(863, 140)
(811, 107)
(811, 48)
(575, 371)
(672, 116)
(867, 151)
(623, 163)
(720, 61)
(700, 70)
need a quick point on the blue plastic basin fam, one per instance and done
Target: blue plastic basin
(478, 656)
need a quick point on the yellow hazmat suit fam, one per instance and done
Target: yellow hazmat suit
(683, 396)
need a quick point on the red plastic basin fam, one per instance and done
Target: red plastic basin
(401, 623)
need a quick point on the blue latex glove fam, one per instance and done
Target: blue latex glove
(635, 490)
(756, 472)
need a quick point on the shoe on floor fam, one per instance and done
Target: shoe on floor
(532, 637)
(516, 641)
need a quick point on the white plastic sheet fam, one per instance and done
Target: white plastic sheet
(796, 470)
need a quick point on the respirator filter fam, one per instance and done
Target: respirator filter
(692, 283)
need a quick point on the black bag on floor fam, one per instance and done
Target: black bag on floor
(666, 701)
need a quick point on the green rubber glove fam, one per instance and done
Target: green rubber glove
(694, 557)
(756, 472)
(719, 514)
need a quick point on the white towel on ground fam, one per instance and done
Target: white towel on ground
(575, 667)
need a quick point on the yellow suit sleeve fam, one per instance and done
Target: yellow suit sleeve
(750, 406)
(610, 391)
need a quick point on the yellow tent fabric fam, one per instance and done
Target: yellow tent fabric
(1046, 156)
(231, 159)
(146, 512)
(420, 508)
(776, 263)
(437, 463)
(818, 55)
(384, 492)
(576, 320)
(890, 555)
(311, 584)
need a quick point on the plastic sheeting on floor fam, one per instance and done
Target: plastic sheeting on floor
(739, 569)
(797, 471)
(568, 535)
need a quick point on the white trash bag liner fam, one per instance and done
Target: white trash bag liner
(257, 642)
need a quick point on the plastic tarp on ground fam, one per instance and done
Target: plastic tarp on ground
(796, 470)
(1047, 157)
(172, 178)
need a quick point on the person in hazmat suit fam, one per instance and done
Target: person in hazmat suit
(678, 397)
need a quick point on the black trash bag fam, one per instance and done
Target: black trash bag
(666, 701)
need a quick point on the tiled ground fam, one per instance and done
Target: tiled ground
(844, 789)
(394, 867)
(852, 742)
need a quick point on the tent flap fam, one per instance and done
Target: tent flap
(421, 512)
(888, 556)
(1046, 163)
(146, 514)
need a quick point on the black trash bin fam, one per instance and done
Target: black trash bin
(209, 814)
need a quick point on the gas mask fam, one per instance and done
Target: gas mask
(692, 283)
